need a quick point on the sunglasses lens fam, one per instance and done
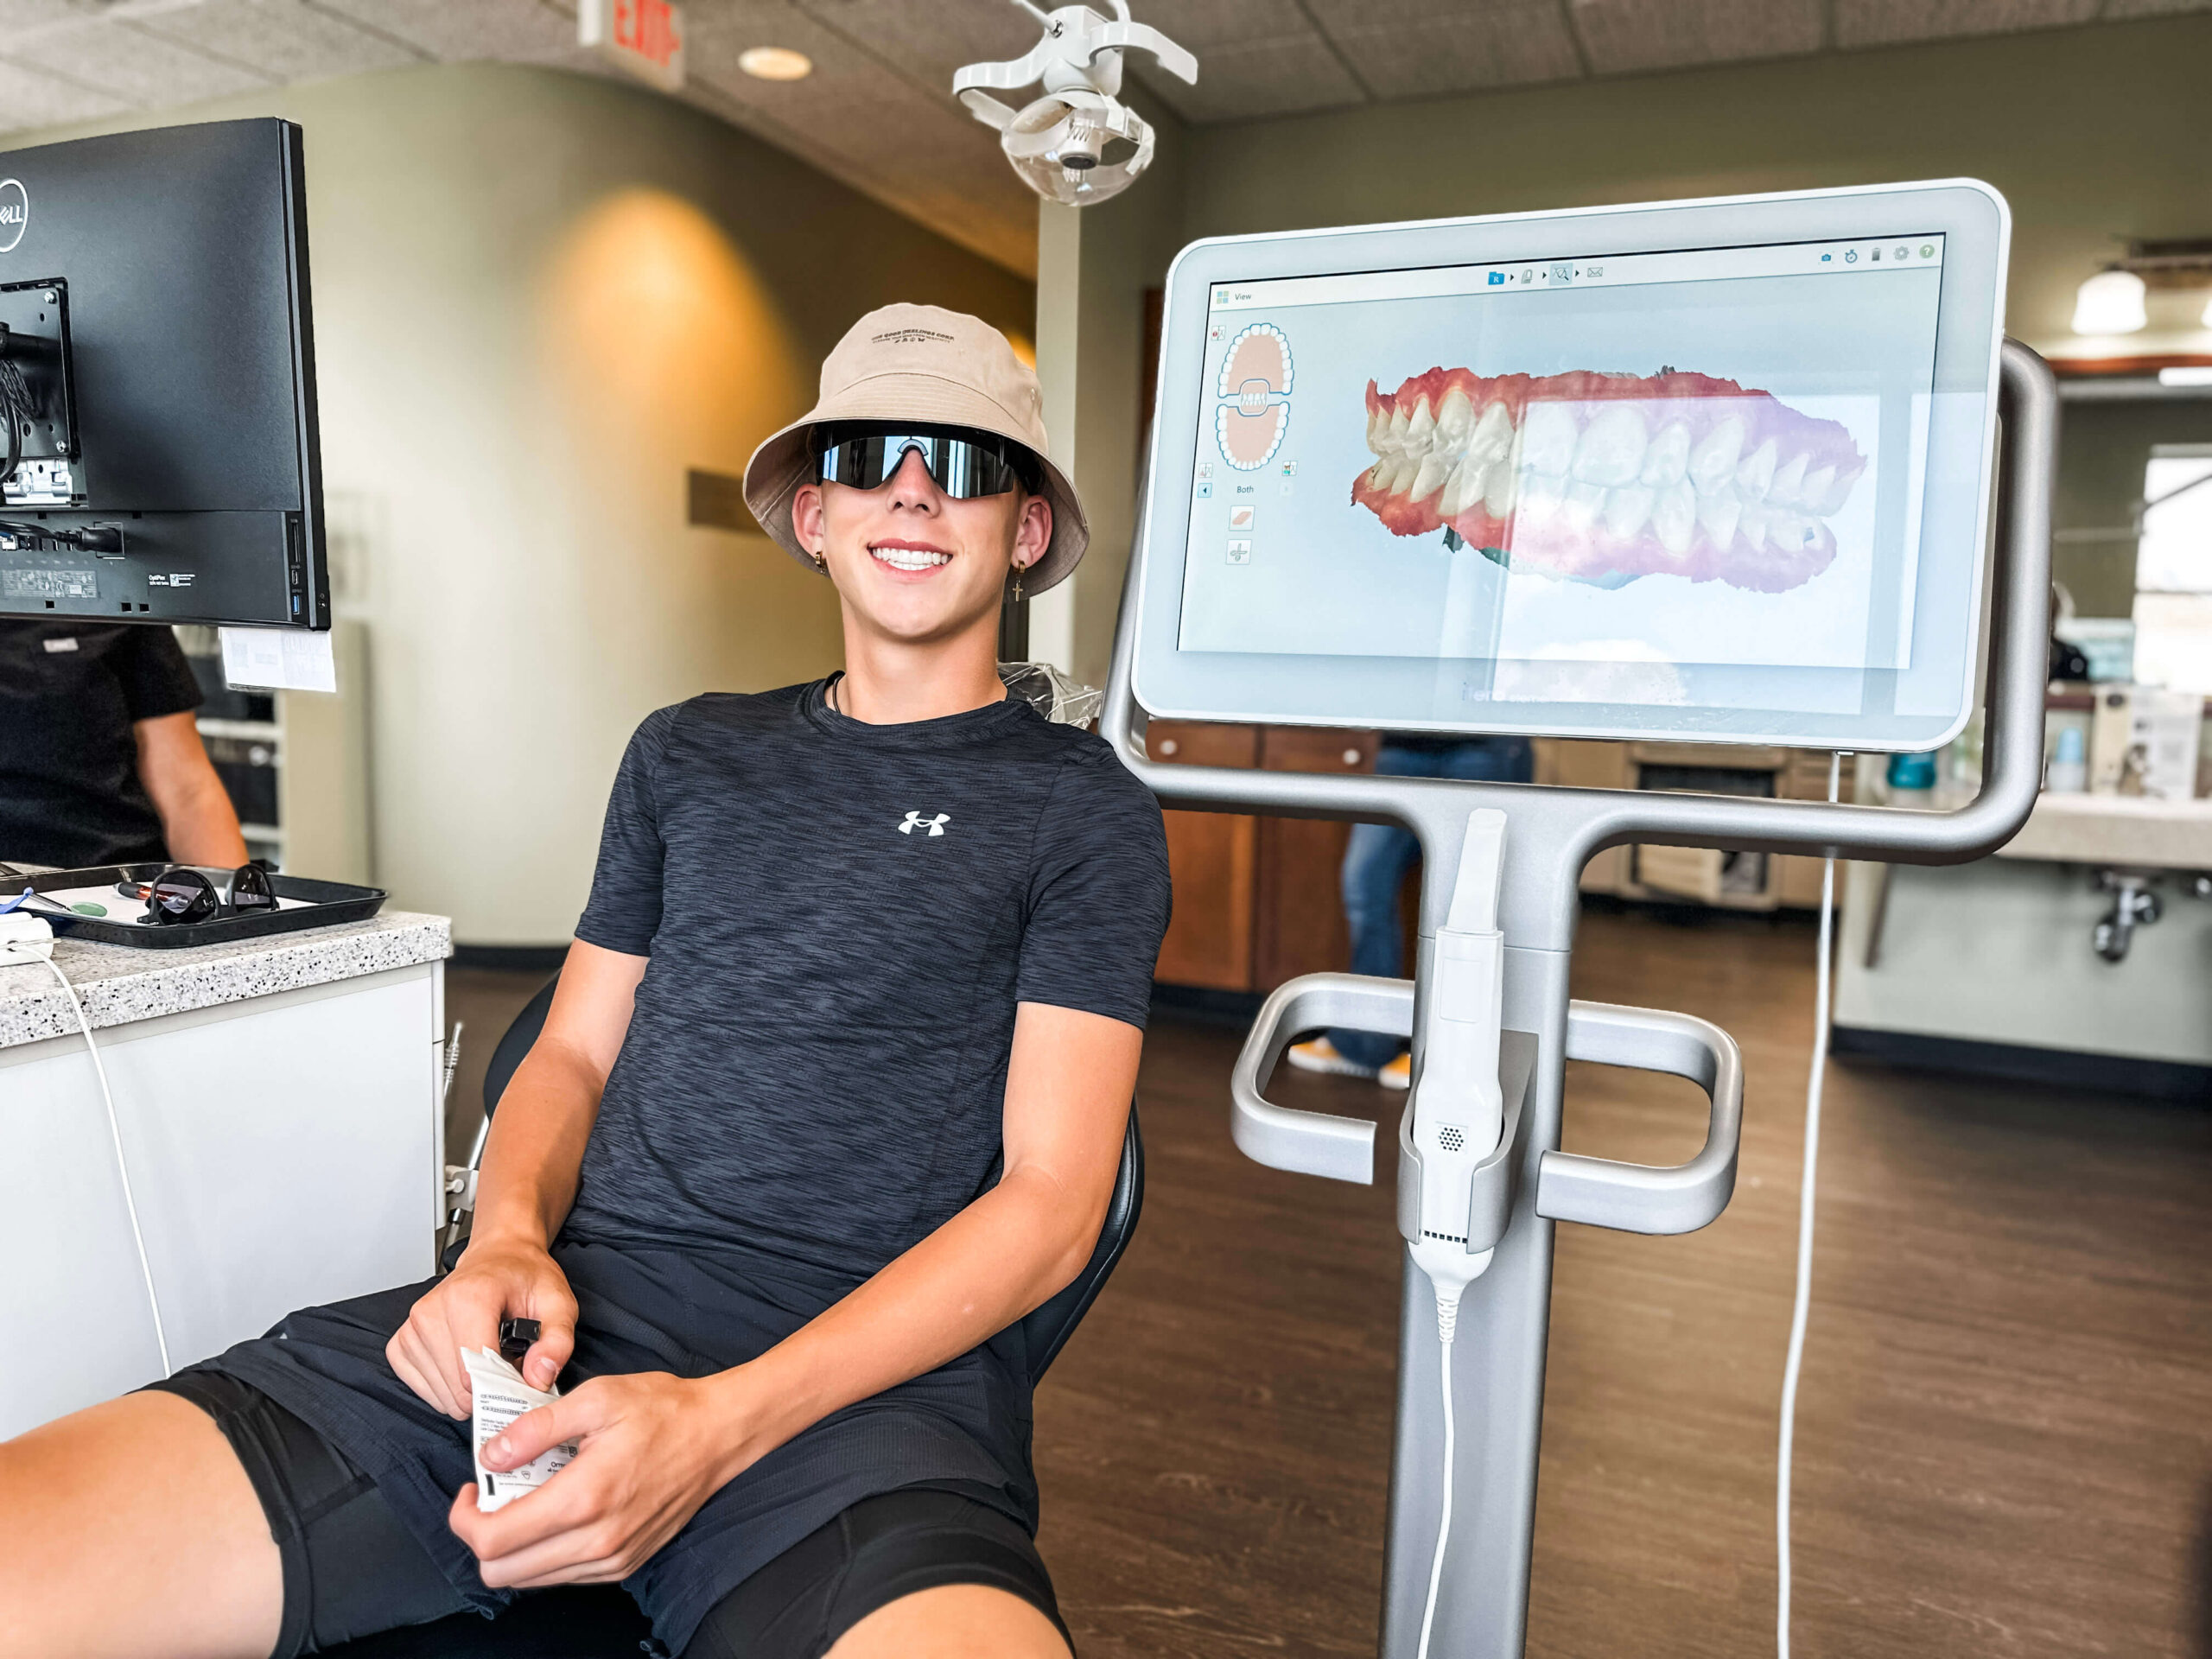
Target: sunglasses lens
(963, 467)
(180, 897)
(250, 890)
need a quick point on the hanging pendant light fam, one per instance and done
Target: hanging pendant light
(2110, 302)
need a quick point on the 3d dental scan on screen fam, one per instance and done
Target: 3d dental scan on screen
(1712, 470)
(1721, 471)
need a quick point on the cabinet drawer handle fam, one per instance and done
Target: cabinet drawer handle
(1352, 757)
(1168, 745)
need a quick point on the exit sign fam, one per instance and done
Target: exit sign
(643, 36)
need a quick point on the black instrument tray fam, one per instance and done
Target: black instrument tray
(329, 903)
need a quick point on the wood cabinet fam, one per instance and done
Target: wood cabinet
(1256, 900)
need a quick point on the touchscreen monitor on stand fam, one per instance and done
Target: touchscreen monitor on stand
(1715, 471)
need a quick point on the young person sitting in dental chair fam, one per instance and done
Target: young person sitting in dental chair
(832, 1093)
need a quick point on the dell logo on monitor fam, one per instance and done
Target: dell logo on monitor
(15, 213)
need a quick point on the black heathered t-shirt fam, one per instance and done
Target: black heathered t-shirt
(840, 918)
(70, 692)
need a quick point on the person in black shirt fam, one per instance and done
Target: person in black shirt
(100, 762)
(832, 1094)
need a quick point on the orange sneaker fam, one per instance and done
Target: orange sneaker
(1399, 1074)
(1321, 1055)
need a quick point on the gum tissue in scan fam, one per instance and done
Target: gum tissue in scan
(1603, 477)
(1254, 388)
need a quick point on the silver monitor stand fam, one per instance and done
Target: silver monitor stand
(1529, 1184)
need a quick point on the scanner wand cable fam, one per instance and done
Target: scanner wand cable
(1800, 1306)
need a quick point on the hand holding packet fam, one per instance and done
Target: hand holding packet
(501, 1396)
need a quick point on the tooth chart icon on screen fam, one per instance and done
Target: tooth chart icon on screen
(1602, 478)
(1254, 389)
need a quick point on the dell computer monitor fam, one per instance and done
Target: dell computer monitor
(157, 368)
(1712, 470)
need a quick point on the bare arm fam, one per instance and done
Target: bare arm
(199, 825)
(656, 1447)
(529, 1180)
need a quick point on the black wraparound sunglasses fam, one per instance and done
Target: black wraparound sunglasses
(965, 463)
(186, 892)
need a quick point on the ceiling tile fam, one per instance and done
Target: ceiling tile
(902, 138)
(1200, 24)
(19, 15)
(280, 38)
(124, 61)
(520, 31)
(1500, 46)
(927, 42)
(1623, 36)
(30, 99)
(1880, 22)
(1238, 81)
(975, 201)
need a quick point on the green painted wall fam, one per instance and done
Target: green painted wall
(2095, 135)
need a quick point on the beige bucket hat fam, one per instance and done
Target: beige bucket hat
(921, 363)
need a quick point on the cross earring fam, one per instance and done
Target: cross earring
(1017, 584)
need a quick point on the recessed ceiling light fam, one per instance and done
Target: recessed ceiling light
(776, 63)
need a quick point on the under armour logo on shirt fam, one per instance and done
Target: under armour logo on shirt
(915, 821)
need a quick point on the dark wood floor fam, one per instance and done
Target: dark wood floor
(2005, 1438)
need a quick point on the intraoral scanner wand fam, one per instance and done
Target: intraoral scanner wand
(1457, 1112)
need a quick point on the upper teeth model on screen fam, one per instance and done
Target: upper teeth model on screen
(1603, 477)
(1254, 390)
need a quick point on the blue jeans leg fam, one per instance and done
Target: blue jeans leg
(1375, 862)
(1378, 856)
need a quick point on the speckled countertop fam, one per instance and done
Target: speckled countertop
(119, 986)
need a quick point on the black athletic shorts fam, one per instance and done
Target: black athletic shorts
(352, 1570)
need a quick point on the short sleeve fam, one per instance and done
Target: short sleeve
(623, 911)
(157, 680)
(1098, 896)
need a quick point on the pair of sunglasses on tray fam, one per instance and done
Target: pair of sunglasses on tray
(190, 893)
(966, 463)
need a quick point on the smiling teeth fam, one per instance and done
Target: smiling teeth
(1603, 477)
(909, 558)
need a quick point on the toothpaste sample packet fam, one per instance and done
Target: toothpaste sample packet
(502, 1397)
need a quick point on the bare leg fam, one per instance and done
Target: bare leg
(953, 1621)
(131, 1531)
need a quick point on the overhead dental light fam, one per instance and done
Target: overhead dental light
(1078, 144)
(2110, 302)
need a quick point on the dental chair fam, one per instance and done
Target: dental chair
(600, 1621)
